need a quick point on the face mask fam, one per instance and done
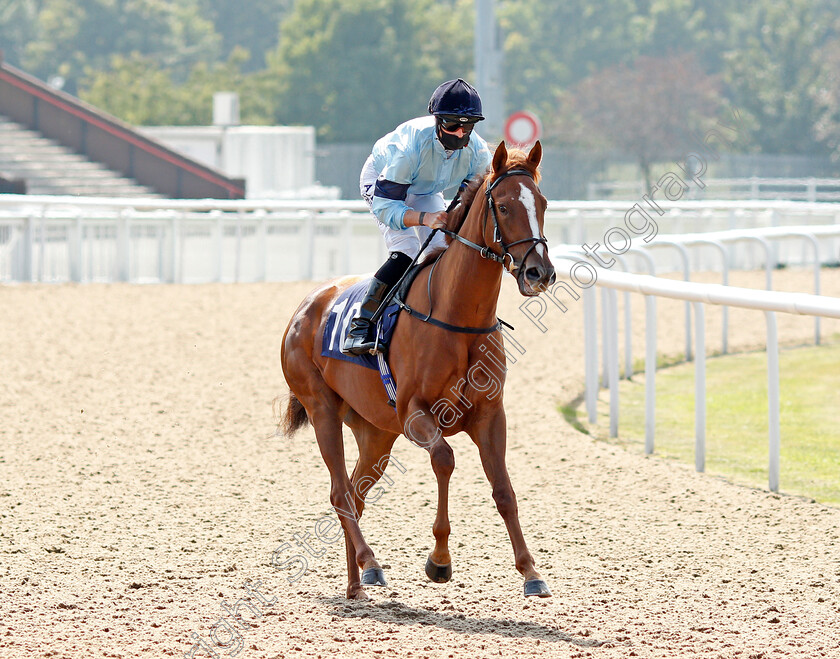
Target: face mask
(452, 142)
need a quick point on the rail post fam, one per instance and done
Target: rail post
(774, 433)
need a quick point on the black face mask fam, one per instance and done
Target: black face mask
(452, 142)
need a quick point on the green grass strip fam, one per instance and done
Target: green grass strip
(737, 422)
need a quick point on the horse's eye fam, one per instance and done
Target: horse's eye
(503, 209)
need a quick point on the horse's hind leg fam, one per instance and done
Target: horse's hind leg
(374, 454)
(325, 412)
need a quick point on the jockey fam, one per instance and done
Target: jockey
(403, 181)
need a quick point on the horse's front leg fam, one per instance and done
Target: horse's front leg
(422, 430)
(490, 436)
(439, 563)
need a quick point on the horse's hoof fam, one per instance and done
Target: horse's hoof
(438, 573)
(374, 576)
(536, 588)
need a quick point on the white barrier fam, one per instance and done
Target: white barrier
(770, 302)
(138, 240)
(65, 239)
(766, 238)
(753, 187)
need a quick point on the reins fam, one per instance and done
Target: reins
(485, 251)
(427, 318)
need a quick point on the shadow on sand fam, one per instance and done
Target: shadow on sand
(394, 612)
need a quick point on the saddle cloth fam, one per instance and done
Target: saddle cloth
(343, 311)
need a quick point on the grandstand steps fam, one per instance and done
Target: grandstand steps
(51, 169)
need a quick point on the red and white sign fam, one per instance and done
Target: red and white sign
(522, 128)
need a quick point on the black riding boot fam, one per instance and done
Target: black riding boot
(360, 339)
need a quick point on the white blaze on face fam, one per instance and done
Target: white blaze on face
(527, 199)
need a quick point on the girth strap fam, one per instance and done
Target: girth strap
(452, 328)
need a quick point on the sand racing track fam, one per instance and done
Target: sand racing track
(142, 489)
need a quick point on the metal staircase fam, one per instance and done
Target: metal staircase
(51, 169)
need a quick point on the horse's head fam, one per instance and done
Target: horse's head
(516, 211)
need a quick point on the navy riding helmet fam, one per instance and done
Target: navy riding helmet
(456, 98)
(455, 103)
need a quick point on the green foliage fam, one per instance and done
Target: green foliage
(17, 27)
(141, 92)
(74, 35)
(773, 68)
(650, 109)
(356, 68)
(827, 97)
(551, 45)
(253, 25)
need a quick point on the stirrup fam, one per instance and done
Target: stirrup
(358, 341)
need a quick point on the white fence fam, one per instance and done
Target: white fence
(55, 239)
(696, 295)
(795, 189)
(817, 244)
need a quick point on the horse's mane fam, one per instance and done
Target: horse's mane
(517, 159)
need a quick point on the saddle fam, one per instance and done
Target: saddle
(346, 307)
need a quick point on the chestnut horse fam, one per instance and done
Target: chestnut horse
(442, 368)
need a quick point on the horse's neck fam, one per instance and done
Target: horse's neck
(466, 284)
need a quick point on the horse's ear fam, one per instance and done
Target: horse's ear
(535, 155)
(500, 157)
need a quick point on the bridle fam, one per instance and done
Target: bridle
(513, 267)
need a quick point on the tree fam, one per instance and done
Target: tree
(141, 92)
(773, 67)
(697, 26)
(549, 46)
(252, 25)
(17, 27)
(357, 68)
(654, 108)
(827, 98)
(77, 34)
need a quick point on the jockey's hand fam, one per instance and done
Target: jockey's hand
(436, 220)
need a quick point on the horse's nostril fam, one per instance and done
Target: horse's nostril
(534, 274)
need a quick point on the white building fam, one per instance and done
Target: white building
(275, 161)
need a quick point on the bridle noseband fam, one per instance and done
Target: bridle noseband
(513, 267)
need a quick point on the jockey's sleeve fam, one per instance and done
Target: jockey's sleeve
(482, 161)
(392, 186)
(388, 202)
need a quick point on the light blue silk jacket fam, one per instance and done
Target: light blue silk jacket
(411, 161)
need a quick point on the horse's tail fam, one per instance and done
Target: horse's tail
(294, 418)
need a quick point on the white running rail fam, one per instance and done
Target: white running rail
(45, 238)
(753, 187)
(770, 302)
(819, 240)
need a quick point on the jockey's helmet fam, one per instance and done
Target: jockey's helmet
(456, 106)
(456, 98)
